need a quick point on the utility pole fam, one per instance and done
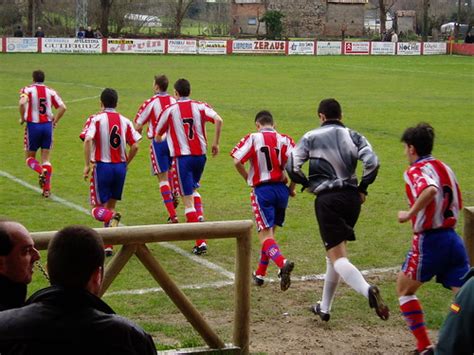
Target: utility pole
(81, 14)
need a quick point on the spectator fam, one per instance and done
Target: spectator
(455, 336)
(394, 37)
(17, 257)
(469, 38)
(97, 33)
(89, 33)
(18, 32)
(39, 32)
(68, 317)
(81, 33)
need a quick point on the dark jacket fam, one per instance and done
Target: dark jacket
(12, 294)
(60, 321)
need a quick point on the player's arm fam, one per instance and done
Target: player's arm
(217, 136)
(59, 113)
(132, 152)
(22, 106)
(87, 157)
(297, 157)
(241, 168)
(138, 127)
(423, 200)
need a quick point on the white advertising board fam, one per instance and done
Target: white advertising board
(328, 48)
(356, 48)
(256, 47)
(408, 48)
(300, 48)
(1, 45)
(430, 48)
(143, 46)
(212, 47)
(182, 46)
(22, 44)
(71, 45)
(383, 48)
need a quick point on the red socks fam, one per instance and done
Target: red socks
(198, 206)
(168, 198)
(34, 165)
(271, 248)
(262, 264)
(49, 173)
(102, 214)
(413, 314)
(191, 217)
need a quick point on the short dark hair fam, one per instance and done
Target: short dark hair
(264, 118)
(6, 244)
(109, 98)
(162, 82)
(331, 109)
(74, 253)
(421, 137)
(183, 87)
(38, 76)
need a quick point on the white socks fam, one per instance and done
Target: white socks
(331, 280)
(351, 276)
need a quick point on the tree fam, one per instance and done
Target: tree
(272, 19)
(384, 6)
(105, 6)
(426, 6)
(178, 9)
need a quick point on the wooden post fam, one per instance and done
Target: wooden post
(179, 298)
(116, 265)
(242, 292)
(469, 232)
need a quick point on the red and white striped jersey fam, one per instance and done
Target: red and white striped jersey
(82, 135)
(110, 133)
(151, 109)
(40, 100)
(443, 211)
(184, 123)
(267, 151)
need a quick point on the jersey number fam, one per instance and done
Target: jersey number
(190, 122)
(42, 106)
(448, 199)
(266, 151)
(115, 139)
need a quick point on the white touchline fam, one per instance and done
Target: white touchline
(67, 102)
(167, 245)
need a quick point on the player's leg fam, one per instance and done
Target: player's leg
(331, 281)
(32, 142)
(47, 171)
(161, 162)
(198, 205)
(101, 192)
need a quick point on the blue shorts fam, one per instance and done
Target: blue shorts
(160, 157)
(189, 170)
(440, 253)
(107, 182)
(38, 135)
(269, 203)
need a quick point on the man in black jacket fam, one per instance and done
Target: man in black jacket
(68, 317)
(17, 258)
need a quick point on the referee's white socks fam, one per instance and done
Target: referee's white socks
(352, 276)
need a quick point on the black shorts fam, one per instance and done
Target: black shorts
(337, 212)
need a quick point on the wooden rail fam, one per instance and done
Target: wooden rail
(469, 232)
(133, 240)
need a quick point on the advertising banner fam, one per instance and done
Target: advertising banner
(300, 48)
(212, 47)
(142, 46)
(328, 48)
(72, 45)
(257, 47)
(383, 48)
(22, 44)
(356, 48)
(182, 46)
(408, 48)
(430, 48)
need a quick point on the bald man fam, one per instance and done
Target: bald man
(17, 258)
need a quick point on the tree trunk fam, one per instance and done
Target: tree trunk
(426, 6)
(105, 6)
(181, 10)
(383, 16)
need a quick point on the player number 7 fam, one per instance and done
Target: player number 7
(190, 122)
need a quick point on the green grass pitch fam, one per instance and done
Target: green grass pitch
(380, 97)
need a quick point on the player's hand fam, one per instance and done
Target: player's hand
(87, 170)
(362, 197)
(292, 192)
(403, 216)
(215, 149)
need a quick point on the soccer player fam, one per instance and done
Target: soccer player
(434, 201)
(106, 138)
(184, 123)
(35, 105)
(160, 157)
(267, 153)
(333, 151)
